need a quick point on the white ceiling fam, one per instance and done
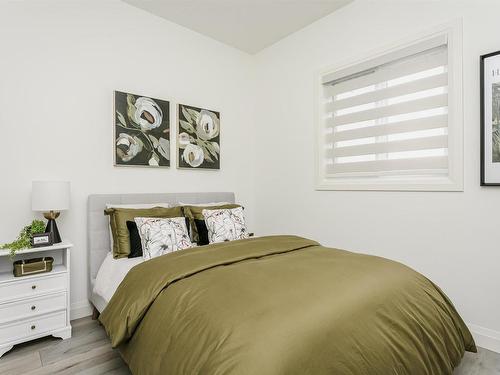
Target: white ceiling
(249, 25)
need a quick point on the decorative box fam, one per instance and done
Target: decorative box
(32, 266)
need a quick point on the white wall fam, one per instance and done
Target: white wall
(450, 237)
(59, 64)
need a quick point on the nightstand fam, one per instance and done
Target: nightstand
(37, 305)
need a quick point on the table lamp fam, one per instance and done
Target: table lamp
(50, 197)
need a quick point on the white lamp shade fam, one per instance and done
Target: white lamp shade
(50, 195)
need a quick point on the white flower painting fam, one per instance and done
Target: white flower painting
(198, 141)
(142, 131)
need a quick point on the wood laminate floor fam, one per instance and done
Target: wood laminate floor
(89, 352)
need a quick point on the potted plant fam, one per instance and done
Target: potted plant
(24, 238)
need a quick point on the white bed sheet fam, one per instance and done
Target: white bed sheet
(111, 274)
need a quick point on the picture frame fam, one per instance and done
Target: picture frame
(42, 239)
(198, 138)
(490, 118)
(141, 136)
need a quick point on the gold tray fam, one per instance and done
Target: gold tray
(32, 266)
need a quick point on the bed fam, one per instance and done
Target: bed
(98, 241)
(278, 305)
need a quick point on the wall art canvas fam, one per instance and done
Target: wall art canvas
(198, 143)
(490, 119)
(142, 131)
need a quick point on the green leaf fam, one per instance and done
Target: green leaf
(210, 147)
(131, 108)
(164, 148)
(194, 114)
(130, 99)
(154, 140)
(187, 126)
(187, 116)
(206, 152)
(207, 147)
(154, 160)
(121, 118)
(207, 156)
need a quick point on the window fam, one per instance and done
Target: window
(394, 122)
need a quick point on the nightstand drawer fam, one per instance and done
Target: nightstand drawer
(31, 307)
(32, 327)
(33, 286)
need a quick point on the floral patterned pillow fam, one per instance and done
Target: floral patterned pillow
(225, 224)
(162, 235)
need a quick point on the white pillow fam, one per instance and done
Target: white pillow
(133, 205)
(161, 236)
(203, 204)
(225, 224)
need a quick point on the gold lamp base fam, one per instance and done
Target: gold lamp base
(52, 215)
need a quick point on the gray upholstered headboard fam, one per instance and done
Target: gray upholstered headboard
(97, 223)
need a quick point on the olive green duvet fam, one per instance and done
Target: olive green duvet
(282, 305)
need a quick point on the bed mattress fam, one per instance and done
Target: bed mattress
(110, 275)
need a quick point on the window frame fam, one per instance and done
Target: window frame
(454, 180)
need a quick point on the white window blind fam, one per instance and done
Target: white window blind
(387, 118)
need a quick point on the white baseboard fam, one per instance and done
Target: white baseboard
(485, 337)
(80, 310)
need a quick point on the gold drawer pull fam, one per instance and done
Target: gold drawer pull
(33, 287)
(33, 327)
(33, 307)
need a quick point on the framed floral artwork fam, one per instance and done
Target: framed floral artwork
(490, 119)
(142, 131)
(198, 142)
